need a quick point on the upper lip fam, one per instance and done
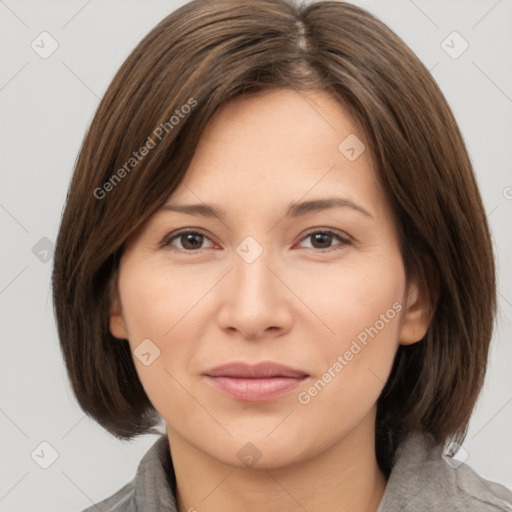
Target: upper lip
(266, 369)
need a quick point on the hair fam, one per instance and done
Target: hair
(208, 52)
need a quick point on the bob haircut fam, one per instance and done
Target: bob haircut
(201, 56)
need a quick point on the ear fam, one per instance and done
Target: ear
(417, 316)
(117, 324)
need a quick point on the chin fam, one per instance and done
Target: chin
(255, 449)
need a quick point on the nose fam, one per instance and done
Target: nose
(256, 302)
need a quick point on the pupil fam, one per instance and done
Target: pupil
(322, 237)
(192, 238)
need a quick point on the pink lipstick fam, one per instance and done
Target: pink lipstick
(255, 383)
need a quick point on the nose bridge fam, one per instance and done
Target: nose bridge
(251, 271)
(255, 299)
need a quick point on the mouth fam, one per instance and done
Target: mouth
(255, 383)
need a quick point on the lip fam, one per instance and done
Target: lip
(255, 383)
(264, 369)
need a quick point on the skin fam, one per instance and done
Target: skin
(301, 302)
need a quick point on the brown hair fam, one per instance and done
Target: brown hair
(206, 53)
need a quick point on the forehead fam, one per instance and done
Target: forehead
(279, 143)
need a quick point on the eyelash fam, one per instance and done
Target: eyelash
(343, 239)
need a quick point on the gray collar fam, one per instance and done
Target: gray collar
(420, 481)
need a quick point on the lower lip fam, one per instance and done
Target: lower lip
(255, 390)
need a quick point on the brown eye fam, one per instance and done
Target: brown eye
(190, 241)
(322, 240)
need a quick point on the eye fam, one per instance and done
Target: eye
(322, 239)
(190, 241)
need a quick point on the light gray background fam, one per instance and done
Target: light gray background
(47, 104)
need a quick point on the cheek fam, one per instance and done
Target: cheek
(171, 309)
(350, 296)
(158, 308)
(151, 312)
(364, 309)
(155, 298)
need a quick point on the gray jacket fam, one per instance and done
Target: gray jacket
(421, 480)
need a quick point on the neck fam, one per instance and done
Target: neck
(344, 477)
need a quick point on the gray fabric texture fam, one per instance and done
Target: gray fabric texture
(421, 480)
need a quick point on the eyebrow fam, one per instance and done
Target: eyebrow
(294, 209)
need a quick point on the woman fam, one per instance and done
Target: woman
(273, 239)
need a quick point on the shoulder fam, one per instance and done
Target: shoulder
(423, 480)
(152, 489)
(122, 500)
(485, 494)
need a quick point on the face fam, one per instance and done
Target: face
(321, 290)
